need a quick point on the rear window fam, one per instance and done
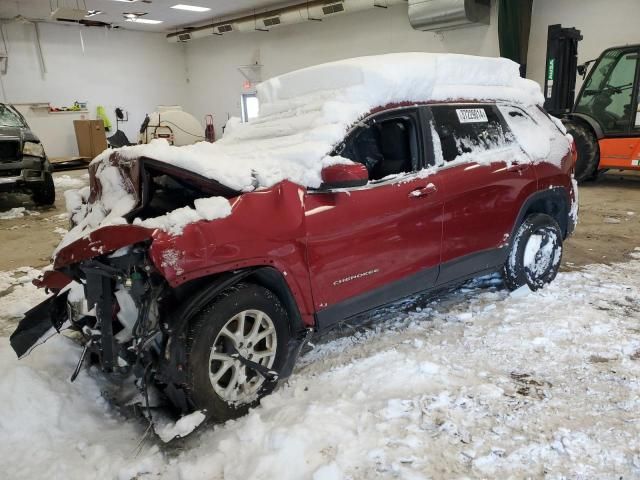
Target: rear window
(467, 128)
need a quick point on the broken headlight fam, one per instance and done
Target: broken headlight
(33, 149)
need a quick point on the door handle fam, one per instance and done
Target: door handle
(430, 189)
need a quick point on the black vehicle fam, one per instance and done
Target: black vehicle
(24, 166)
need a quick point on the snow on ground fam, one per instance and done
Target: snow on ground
(66, 181)
(17, 295)
(478, 384)
(16, 212)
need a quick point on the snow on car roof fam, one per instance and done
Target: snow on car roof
(305, 113)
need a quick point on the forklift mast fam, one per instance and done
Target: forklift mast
(562, 66)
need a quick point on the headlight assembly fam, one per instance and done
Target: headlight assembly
(33, 149)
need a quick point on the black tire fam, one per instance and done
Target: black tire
(205, 329)
(45, 194)
(523, 269)
(588, 151)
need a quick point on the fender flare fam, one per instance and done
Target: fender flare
(557, 195)
(589, 121)
(267, 277)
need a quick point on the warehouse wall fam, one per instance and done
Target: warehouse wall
(215, 85)
(133, 70)
(603, 25)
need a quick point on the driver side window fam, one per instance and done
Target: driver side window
(386, 146)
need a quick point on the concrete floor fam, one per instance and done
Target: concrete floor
(609, 226)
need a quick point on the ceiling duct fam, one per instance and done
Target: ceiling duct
(293, 14)
(226, 28)
(439, 15)
(333, 7)
(271, 21)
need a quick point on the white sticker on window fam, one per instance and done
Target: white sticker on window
(471, 115)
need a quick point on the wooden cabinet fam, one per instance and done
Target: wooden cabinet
(91, 137)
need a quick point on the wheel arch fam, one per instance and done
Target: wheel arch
(196, 294)
(586, 121)
(555, 202)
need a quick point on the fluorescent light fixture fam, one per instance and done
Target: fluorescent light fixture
(191, 8)
(144, 20)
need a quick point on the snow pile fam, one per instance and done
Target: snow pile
(480, 384)
(65, 182)
(304, 114)
(183, 427)
(51, 428)
(12, 213)
(174, 221)
(117, 198)
(17, 294)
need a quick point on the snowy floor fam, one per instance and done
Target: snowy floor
(480, 384)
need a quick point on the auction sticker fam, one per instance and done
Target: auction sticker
(471, 115)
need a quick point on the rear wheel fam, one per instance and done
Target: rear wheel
(245, 323)
(587, 148)
(45, 194)
(535, 253)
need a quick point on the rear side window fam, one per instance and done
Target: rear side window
(467, 128)
(535, 132)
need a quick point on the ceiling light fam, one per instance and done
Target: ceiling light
(191, 8)
(92, 13)
(144, 20)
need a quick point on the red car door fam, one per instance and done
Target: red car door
(367, 246)
(486, 178)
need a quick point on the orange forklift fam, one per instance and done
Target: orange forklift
(605, 118)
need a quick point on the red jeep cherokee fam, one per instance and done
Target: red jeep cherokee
(417, 194)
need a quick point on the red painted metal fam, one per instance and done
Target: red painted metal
(345, 174)
(482, 203)
(365, 238)
(53, 280)
(101, 241)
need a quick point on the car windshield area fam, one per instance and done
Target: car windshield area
(9, 117)
(608, 92)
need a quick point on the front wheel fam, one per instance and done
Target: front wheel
(535, 253)
(237, 344)
(45, 194)
(588, 151)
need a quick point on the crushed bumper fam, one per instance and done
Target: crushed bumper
(39, 323)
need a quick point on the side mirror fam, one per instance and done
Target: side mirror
(344, 176)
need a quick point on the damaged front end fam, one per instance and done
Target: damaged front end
(112, 301)
(105, 287)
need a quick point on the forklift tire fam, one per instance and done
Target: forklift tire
(588, 151)
(45, 194)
